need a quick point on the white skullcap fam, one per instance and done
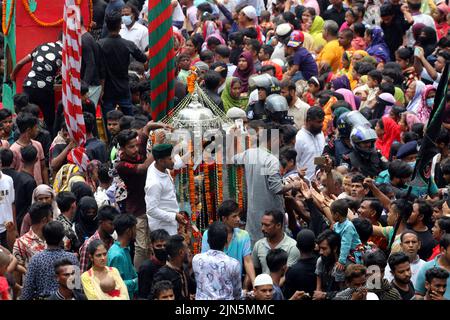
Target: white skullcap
(250, 12)
(236, 113)
(262, 280)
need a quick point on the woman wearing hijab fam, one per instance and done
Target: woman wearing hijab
(349, 97)
(85, 221)
(428, 40)
(383, 105)
(92, 174)
(439, 15)
(179, 41)
(42, 194)
(376, 46)
(245, 69)
(316, 32)
(341, 82)
(81, 189)
(231, 95)
(387, 131)
(414, 95)
(427, 103)
(407, 120)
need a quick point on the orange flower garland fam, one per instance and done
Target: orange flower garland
(240, 186)
(6, 27)
(191, 178)
(209, 205)
(191, 80)
(219, 183)
(48, 24)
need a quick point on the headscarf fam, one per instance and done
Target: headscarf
(416, 30)
(383, 105)
(353, 82)
(349, 97)
(337, 113)
(423, 112)
(429, 42)
(328, 113)
(308, 42)
(341, 83)
(411, 119)
(244, 75)
(378, 47)
(85, 225)
(45, 190)
(399, 96)
(414, 104)
(391, 133)
(316, 31)
(228, 100)
(442, 28)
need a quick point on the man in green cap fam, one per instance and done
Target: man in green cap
(160, 197)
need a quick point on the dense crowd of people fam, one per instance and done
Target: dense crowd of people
(349, 85)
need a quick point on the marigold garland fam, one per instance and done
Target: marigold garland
(209, 205)
(191, 80)
(54, 23)
(240, 185)
(7, 27)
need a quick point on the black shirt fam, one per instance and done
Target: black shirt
(427, 244)
(47, 60)
(24, 184)
(393, 33)
(183, 285)
(90, 61)
(406, 295)
(115, 57)
(301, 276)
(335, 15)
(98, 14)
(145, 277)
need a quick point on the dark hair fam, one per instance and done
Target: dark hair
(7, 157)
(212, 80)
(113, 21)
(205, 7)
(89, 122)
(250, 33)
(103, 173)
(306, 241)
(333, 239)
(444, 224)
(125, 136)
(61, 263)
(426, 210)
(410, 136)
(217, 235)
(289, 154)
(417, 128)
(268, 49)
(25, 121)
(174, 245)
(53, 233)
(386, 10)
(445, 241)
(387, 87)
(28, 154)
(276, 259)
(444, 54)
(406, 53)
(124, 222)
(348, 33)
(363, 68)
(38, 211)
(436, 273)
(315, 113)
(161, 286)
(114, 115)
(254, 44)
(375, 205)
(288, 132)
(65, 199)
(359, 29)
(445, 166)
(20, 101)
(223, 51)
(404, 208)
(340, 206)
(159, 235)
(375, 258)
(399, 169)
(397, 258)
(4, 113)
(223, 74)
(287, 84)
(358, 178)
(107, 213)
(277, 215)
(237, 37)
(125, 122)
(226, 208)
(364, 228)
(32, 109)
(353, 271)
(385, 188)
(408, 231)
(206, 55)
(92, 247)
(133, 9)
(268, 67)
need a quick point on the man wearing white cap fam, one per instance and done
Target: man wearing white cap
(283, 32)
(263, 287)
(247, 17)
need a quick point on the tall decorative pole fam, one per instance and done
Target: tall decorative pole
(162, 64)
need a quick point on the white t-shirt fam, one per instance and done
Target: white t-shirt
(137, 34)
(308, 147)
(6, 200)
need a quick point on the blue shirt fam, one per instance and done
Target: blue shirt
(120, 259)
(40, 280)
(306, 63)
(349, 239)
(420, 282)
(238, 248)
